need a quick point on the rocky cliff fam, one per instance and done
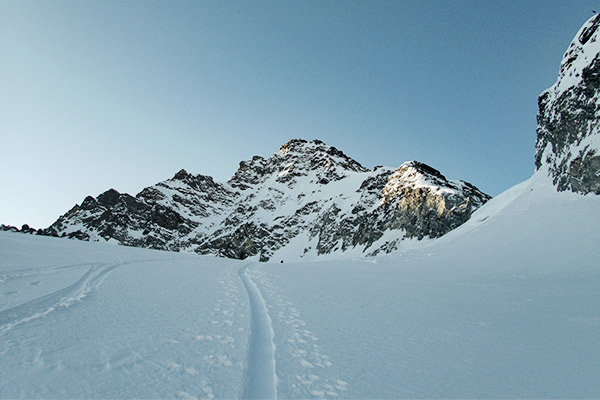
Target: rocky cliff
(308, 198)
(568, 141)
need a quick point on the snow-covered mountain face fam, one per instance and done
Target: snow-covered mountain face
(568, 140)
(307, 199)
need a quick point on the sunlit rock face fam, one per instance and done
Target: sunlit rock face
(568, 140)
(307, 199)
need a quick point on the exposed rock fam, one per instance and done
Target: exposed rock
(27, 229)
(425, 204)
(8, 228)
(568, 139)
(24, 229)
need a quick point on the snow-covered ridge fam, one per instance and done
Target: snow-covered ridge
(308, 199)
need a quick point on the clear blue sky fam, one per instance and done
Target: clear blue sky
(123, 94)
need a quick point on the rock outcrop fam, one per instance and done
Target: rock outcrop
(568, 139)
(24, 229)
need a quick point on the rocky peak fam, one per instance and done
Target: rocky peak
(296, 158)
(419, 200)
(418, 168)
(314, 155)
(199, 182)
(413, 175)
(578, 57)
(88, 203)
(182, 175)
(568, 138)
(109, 198)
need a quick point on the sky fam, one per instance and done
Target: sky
(123, 94)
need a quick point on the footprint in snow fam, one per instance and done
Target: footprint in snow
(218, 360)
(205, 389)
(312, 379)
(203, 338)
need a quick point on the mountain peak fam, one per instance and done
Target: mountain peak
(182, 175)
(582, 50)
(294, 159)
(296, 145)
(421, 168)
(315, 154)
(302, 146)
(110, 197)
(415, 175)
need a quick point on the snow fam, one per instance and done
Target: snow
(504, 306)
(117, 322)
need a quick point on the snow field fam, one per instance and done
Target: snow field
(504, 306)
(160, 325)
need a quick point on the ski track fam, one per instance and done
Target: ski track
(311, 371)
(260, 380)
(91, 280)
(220, 340)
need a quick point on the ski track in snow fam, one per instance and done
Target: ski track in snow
(260, 380)
(313, 376)
(91, 280)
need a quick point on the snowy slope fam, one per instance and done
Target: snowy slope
(83, 320)
(505, 306)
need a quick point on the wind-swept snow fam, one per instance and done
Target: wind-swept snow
(505, 306)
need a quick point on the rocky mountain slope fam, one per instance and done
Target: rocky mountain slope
(306, 199)
(568, 141)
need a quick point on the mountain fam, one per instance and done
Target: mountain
(568, 140)
(307, 199)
